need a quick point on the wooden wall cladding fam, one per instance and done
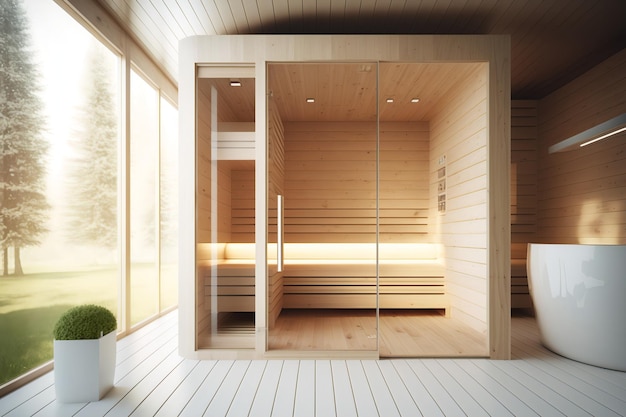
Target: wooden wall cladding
(459, 132)
(242, 203)
(276, 187)
(330, 186)
(524, 166)
(582, 193)
(203, 209)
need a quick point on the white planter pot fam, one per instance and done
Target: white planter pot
(84, 370)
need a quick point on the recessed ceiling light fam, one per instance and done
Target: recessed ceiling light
(415, 100)
(389, 100)
(235, 83)
(310, 100)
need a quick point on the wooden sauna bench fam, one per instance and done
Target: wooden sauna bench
(235, 276)
(335, 275)
(343, 275)
(520, 294)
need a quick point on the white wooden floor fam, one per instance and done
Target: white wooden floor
(151, 379)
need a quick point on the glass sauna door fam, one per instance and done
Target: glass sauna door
(322, 212)
(225, 311)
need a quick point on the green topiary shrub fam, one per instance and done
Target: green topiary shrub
(84, 322)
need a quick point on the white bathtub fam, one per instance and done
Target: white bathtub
(579, 294)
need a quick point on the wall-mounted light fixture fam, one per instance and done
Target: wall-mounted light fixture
(602, 131)
(235, 83)
(310, 100)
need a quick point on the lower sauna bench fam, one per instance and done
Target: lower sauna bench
(235, 278)
(520, 294)
(343, 276)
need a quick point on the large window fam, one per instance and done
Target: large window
(144, 151)
(169, 205)
(63, 212)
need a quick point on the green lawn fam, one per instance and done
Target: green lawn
(30, 306)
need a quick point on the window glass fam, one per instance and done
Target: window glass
(59, 177)
(169, 204)
(144, 146)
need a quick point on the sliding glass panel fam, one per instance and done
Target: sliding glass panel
(322, 140)
(276, 212)
(225, 224)
(432, 208)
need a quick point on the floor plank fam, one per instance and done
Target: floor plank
(134, 371)
(444, 400)
(324, 390)
(402, 397)
(16, 398)
(363, 398)
(225, 396)
(344, 397)
(516, 383)
(243, 399)
(157, 398)
(478, 401)
(286, 390)
(380, 391)
(305, 390)
(203, 396)
(498, 386)
(188, 386)
(263, 403)
(422, 397)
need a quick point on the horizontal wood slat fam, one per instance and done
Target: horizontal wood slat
(459, 149)
(524, 194)
(341, 280)
(363, 289)
(330, 182)
(358, 301)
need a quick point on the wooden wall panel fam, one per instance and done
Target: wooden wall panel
(203, 201)
(276, 187)
(459, 133)
(524, 168)
(582, 193)
(242, 202)
(330, 186)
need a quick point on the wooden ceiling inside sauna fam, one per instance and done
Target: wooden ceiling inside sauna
(346, 92)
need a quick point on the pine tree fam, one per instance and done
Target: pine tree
(23, 206)
(93, 176)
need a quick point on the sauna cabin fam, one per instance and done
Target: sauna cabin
(344, 196)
